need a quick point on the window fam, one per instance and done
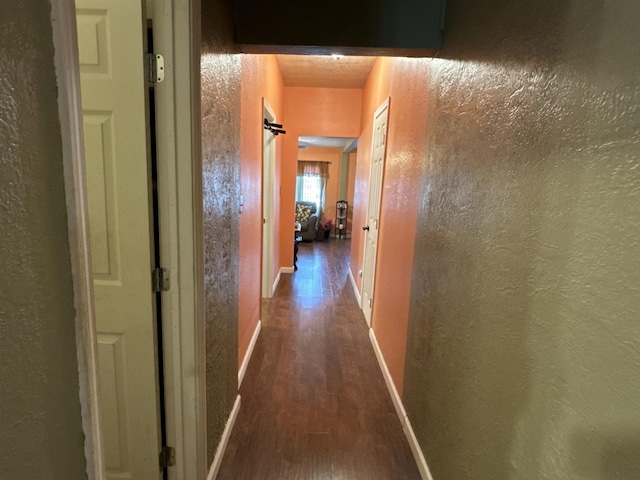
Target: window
(311, 183)
(311, 189)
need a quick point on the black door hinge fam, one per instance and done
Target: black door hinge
(160, 280)
(167, 457)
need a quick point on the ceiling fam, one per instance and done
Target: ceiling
(346, 144)
(325, 71)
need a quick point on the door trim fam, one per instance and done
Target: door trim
(176, 32)
(268, 207)
(177, 36)
(65, 41)
(367, 269)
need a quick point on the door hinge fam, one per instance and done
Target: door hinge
(160, 280)
(167, 457)
(154, 68)
(370, 303)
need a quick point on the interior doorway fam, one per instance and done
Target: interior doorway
(112, 39)
(268, 203)
(179, 224)
(372, 226)
(326, 175)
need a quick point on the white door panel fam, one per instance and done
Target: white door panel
(110, 40)
(378, 152)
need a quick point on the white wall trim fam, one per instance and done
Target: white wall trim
(224, 440)
(275, 283)
(249, 353)
(190, 15)
(355, 288)
(63, 22)
(277, 280)
(402, 414)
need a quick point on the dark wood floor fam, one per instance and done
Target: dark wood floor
(314, 403)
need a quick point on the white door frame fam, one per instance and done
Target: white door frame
(176, 33)
(369, 268)
(177, 37)
(63, 16)
(268, 207)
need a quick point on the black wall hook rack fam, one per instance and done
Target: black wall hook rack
(275, 128)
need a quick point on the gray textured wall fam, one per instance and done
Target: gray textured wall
(524, 337)
(220, 100)
(40, 426)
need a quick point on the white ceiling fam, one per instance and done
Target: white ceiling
(327, 142)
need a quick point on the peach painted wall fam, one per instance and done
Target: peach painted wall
(261, 77)
(334, 157)
(404, 81)
(327, 112)
(375, 91)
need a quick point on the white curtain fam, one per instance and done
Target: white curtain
(299, 188)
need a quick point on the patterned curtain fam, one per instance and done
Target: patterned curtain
(320, 169)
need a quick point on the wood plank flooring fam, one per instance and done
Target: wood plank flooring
(314, 402)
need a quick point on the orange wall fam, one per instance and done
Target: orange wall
(376, 90)
(334, 157)
(404, 81)
(260, 78)
(326, 112)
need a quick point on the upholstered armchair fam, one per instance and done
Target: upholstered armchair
(308, 223)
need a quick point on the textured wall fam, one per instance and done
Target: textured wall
(524, 338)
(40, 426)
(220, 100)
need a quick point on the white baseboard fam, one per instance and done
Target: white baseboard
(222, 446)
(248, 353)
(355, 288)
(276, 282)
(402, 414)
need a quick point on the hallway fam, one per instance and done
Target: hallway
(314, 402)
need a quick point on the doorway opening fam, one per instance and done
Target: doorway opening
(326, 168)
(123, 215)
(268, 203)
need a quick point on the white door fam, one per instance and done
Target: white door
(110, 38)
(268, 203)
(378, 151)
